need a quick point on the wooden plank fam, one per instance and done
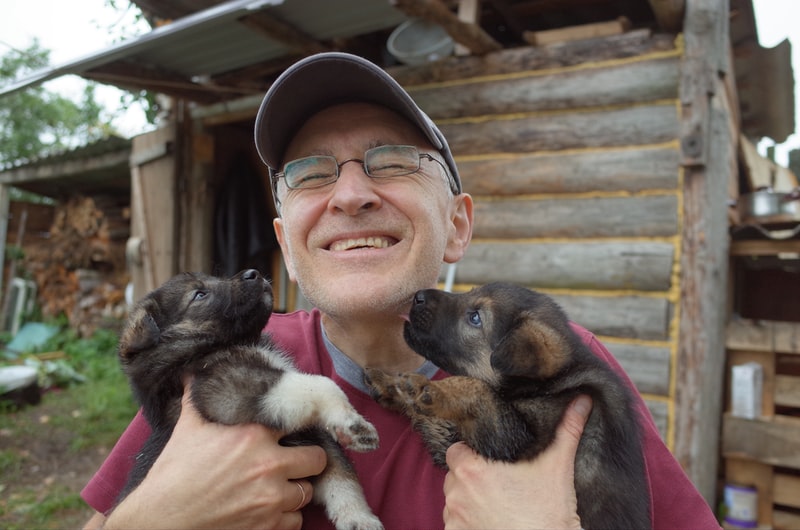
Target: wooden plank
(787, 337)
(611, 169)
(633, 317)
(604, 85)
(756, 247)
(638, 265)
(747, 472)
(644, 125)
(745, 334)
(763, 335)
(643, 216)
(573, 33)
(774, 441)
(786, 490)
(631, 45)
(783, 520)
(787, 390)
(647, 366)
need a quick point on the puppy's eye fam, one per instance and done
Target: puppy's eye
(199, 295)
(474, 319)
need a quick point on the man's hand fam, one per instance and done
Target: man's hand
(535, 494)
(216, 476)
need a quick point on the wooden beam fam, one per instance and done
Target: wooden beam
(471, 36)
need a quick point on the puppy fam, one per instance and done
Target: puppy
(211, 329)
(516, 365)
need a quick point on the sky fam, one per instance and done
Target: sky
(74, 28)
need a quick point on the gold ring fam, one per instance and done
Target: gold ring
(302, 498)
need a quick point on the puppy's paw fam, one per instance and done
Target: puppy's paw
(359, 521)
(351, 430)
(384, 389)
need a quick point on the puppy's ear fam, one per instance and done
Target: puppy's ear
(141, 331)
(531, 349)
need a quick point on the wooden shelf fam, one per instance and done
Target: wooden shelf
(758, 247)
(765, 452)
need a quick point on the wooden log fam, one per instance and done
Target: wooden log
(660, 413)
(619, 169)
(595, 86)
(632, 317)
(521, 59)
(639, 265)
(651, 215)
(644, 125)
(774, 441)
(647, 366)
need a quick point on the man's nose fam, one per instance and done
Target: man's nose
(354, 191)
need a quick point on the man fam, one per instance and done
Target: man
(370, 206)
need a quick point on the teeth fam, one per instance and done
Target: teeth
(362, 242)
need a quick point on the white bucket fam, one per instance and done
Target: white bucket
(417, 41)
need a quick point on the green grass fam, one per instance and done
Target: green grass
(73, 424)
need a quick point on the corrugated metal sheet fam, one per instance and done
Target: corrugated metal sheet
(213, 41)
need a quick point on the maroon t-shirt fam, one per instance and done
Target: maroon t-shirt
(402, 485)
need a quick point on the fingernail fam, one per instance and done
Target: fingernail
(583, 404)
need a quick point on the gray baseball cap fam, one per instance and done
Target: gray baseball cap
(325, 79)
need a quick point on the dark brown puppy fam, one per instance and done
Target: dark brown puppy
(516, 366)
(211, 328)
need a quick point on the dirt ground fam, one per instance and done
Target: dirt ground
(48, 468)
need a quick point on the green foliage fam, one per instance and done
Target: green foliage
(68, 424)
(34, 121)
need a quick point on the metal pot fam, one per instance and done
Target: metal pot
(767, 203)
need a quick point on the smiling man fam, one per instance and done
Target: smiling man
(370, 207)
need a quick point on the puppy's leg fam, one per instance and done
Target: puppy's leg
(303, 400)
(468, 406)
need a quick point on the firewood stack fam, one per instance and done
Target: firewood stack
(80, 271)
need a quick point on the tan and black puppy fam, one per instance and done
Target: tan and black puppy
(211, 328)
(516, 365)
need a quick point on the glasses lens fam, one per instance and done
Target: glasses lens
(391, 161)
(310, 172)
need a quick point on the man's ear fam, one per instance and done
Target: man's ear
(141, 332)
(277, 225)
(460, 228)
(531, 349)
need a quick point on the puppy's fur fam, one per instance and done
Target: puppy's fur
(516, 365)
(211, 328)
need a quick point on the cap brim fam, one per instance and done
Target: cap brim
(319, 81)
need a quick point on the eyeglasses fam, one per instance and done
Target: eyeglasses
(381, 162)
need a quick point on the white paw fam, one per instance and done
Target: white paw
(351, 430)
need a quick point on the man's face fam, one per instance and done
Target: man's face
(364, 245)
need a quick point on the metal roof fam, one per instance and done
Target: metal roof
(223, 38)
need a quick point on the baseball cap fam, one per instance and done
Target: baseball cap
(325, 79)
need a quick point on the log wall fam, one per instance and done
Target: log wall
(572, 156)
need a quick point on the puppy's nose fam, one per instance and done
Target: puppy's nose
(419, 298)
(250, 274)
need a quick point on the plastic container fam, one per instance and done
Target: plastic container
(417, 41)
